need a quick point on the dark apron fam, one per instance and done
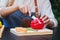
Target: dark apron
(15, 19)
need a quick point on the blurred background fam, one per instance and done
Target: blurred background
(56, 9)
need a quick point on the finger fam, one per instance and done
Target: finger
(29, 11)
(26, 8)
(22, 9)
(42, 16)
(45, 18)
(47, 21)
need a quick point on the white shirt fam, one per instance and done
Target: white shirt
(3, 3)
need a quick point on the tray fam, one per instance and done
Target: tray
(29, 33)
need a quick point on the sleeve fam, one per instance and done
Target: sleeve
(3, 3)
(46, 10)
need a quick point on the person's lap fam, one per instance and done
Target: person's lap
(56, 35)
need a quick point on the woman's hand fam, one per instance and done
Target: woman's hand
(47, 21)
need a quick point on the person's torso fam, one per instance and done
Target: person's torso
(31, 5)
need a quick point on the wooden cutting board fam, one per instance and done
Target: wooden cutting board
(1, 31)
(39, 32)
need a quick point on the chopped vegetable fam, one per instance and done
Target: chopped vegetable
(0, 24)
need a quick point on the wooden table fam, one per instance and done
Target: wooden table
(7, 35)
